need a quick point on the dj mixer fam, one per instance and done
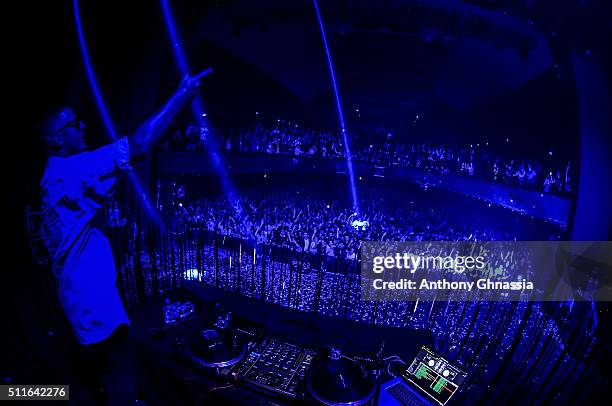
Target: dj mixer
(276, 366)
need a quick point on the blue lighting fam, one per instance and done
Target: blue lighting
(196, 106)
(349, 161)
(108, 124)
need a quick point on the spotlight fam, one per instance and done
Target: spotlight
(343, 131)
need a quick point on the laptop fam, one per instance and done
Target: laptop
(429, 380)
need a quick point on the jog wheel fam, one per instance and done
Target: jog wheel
(214, 348)
(338, 381)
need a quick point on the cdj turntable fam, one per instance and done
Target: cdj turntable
(213, 348)
(338, 380)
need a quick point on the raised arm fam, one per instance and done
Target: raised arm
(148, 134)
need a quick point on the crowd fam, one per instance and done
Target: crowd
(321, 220)
(291, 139)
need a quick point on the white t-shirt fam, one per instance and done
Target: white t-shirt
(73, 191)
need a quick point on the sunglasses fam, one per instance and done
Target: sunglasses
(75, 123)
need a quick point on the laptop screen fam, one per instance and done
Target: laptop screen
(434, 375)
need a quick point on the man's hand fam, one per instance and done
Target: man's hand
(148, 133)
(190, 84)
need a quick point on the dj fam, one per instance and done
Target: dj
(73, 187)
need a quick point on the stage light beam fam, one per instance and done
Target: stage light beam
(106, 120)
(197, 107)
(347, 150)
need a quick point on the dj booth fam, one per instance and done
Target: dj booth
(204, 344)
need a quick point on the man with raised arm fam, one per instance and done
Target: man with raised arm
(75, 183)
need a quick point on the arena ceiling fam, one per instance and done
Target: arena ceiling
(406, 53)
